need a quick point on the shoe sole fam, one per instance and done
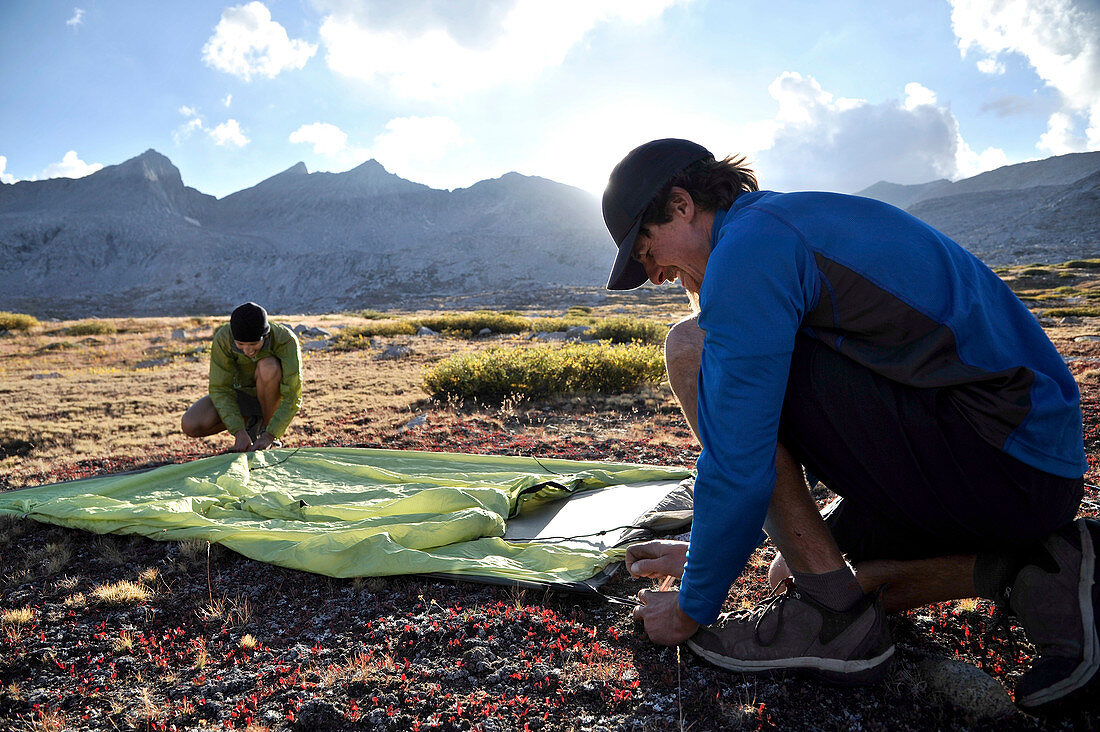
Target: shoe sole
(1090, 662)
(834, 670)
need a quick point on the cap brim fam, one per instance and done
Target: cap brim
(627, 272)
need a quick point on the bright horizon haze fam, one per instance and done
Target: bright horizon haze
(833, 95)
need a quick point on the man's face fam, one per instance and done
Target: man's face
(249, 348)
(677, 249)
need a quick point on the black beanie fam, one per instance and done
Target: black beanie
(248, 323)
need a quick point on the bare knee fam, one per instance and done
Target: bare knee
(187, 426)
(201, 419)
(683, 352)
(269, 370)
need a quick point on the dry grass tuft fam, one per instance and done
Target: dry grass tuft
(121, 593)
(58, 555)
(47, 720)
(75, 602)
(17, 617)
(148, 713)
(125, 642)
(249, 642)
(234, 612)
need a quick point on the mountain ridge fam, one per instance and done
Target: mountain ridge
(134, 239)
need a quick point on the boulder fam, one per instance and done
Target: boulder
(967, 688)
(426, 331)
(179, 334)
(550, 336)
(396, 351)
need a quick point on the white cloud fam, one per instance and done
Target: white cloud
(416, 148)
(410, 147)
(229, 133)
(247, 43)
(1061, 41)
(821, 142)
(70, 166)
(228, 100)
(969, 163)
(917, 95)
(326, 139)
(188, 128)
(77, 19)
(991, 66)
(1059, 138)
(5, 177)
(428, 50)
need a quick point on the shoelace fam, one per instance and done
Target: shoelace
(757, 614)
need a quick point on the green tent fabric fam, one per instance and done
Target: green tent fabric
(347, 512)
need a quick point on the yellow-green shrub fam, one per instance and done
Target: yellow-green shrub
(550, 325)
(1084, 311)
(467, 324)
(17, 321)
(91, 327)
(358, 336)
(622, 329)
(545, 370)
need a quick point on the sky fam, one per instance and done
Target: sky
(819, 94)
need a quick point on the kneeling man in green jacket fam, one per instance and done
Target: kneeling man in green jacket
(255, 382)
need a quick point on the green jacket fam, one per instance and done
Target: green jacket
(230, 369)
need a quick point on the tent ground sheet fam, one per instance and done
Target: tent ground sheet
(353, 512)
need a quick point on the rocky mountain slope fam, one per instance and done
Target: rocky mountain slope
(131, 239)
(1042, 211)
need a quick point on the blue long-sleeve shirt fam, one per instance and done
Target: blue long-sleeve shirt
(884, 289)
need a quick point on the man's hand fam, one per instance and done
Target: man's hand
(665, 623)
(264, 441)
(658, 558)
(243, 443)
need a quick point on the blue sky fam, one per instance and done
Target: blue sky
(824, 94)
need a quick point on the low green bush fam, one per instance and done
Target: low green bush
(622, 329)
(91, 327)
(371, 315)
(17, 321)
(1084, 311)
(358, 336)
(468, 324)
(578, 310)
(541, 371)
(1083, 263)
(552, 325)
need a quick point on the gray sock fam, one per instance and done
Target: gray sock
(837, 590)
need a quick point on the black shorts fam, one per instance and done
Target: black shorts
(249, 405)
(916, 480)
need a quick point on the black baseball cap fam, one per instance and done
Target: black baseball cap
(248, 323)
(633, 183)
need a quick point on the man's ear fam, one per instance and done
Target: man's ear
(681, 203)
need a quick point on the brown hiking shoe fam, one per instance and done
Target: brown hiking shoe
(794, 632)
(1056, 598)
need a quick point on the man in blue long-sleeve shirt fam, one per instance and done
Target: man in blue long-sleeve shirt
(842, 334)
